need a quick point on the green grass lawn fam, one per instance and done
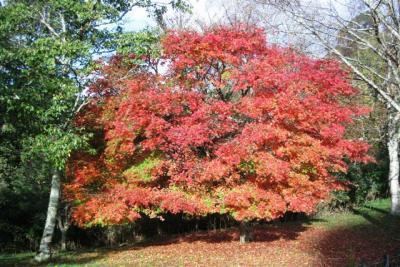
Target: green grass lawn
(329, 239)
(373, 212)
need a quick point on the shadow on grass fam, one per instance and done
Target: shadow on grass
(66, 258)
(366, 241)
(353, 246)
(377, 209)
(80, 257)
(16, 259)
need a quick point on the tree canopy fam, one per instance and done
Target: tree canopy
(220, 122)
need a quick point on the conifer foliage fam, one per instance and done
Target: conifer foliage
(231, 125)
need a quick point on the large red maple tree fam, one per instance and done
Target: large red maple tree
(231, 125)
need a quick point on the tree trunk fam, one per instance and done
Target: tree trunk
(393, 149)
(245, 232)
(63, 240)
(63, 224)
(44, 249)
(160, 231)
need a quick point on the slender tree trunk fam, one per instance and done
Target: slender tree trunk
(63, 240)
(245, 232)
(160, 231)
(393, 149)
(44, 249)
(63, 225)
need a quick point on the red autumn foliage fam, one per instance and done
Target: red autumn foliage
(233, 126)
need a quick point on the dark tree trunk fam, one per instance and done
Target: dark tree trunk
(63, 240)
(245, 232)
(160, 231)
(63, 224)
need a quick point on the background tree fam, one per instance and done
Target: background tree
(47, 50)
(231, 126)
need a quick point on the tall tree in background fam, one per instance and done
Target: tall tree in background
(231, 126)
(46, 53)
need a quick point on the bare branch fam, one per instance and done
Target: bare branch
(43, 20)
